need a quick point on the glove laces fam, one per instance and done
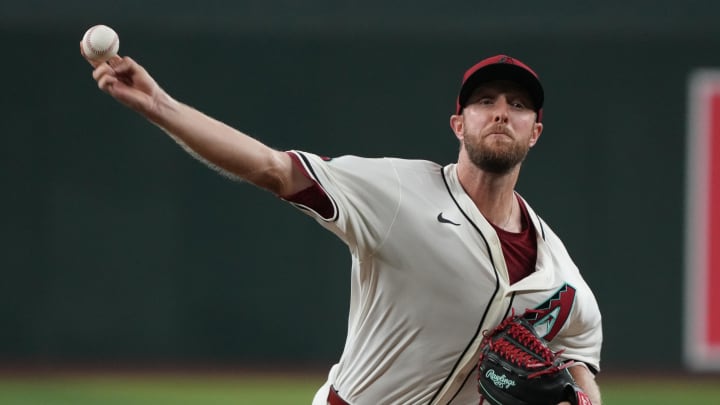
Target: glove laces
(524, 349)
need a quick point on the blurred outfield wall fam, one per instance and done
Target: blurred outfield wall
(118, 247)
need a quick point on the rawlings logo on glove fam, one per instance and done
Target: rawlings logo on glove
(517, 367)
(500, 380)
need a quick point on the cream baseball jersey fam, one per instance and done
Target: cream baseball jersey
(428, 277)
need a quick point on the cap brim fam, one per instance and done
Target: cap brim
(503, 71)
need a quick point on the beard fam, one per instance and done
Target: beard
(495, 158)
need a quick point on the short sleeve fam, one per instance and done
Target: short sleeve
(364, 194)
(582, 340)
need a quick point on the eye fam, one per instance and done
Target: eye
(521, 105)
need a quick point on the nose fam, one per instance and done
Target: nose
(501, 110)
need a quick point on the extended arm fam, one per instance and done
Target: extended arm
(219, 145)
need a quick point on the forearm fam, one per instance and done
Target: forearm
(215, 143)
(223, 147)
(586, 380)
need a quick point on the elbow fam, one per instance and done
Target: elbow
(275, 175)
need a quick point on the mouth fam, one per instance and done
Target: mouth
(498, 131)
(495, 134)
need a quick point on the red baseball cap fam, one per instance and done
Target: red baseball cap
(501, 67)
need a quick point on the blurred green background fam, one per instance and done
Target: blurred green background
(119, 250)
(279, 389)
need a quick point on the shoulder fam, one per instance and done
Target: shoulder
(415, 164)
(545, 231)
(398, 165)
(361, 161)
(364, 171)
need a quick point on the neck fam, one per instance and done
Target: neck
(492, 193)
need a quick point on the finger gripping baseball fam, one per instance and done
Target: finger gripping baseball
(516, 367)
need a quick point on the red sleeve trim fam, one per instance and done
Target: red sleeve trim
(313, 197)
(299, 165)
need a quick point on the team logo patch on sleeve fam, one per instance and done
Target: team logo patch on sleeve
(550, 316)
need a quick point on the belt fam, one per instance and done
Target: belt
(334, 397)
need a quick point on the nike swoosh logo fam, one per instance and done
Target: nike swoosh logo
(444, 220)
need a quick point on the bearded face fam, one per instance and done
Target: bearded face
(491, 153)
(497, 126)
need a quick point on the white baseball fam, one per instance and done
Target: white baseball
(100, 43)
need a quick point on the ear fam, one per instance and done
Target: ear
(456, 124)
(537, 130)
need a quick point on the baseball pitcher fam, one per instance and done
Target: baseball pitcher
(460, 292)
